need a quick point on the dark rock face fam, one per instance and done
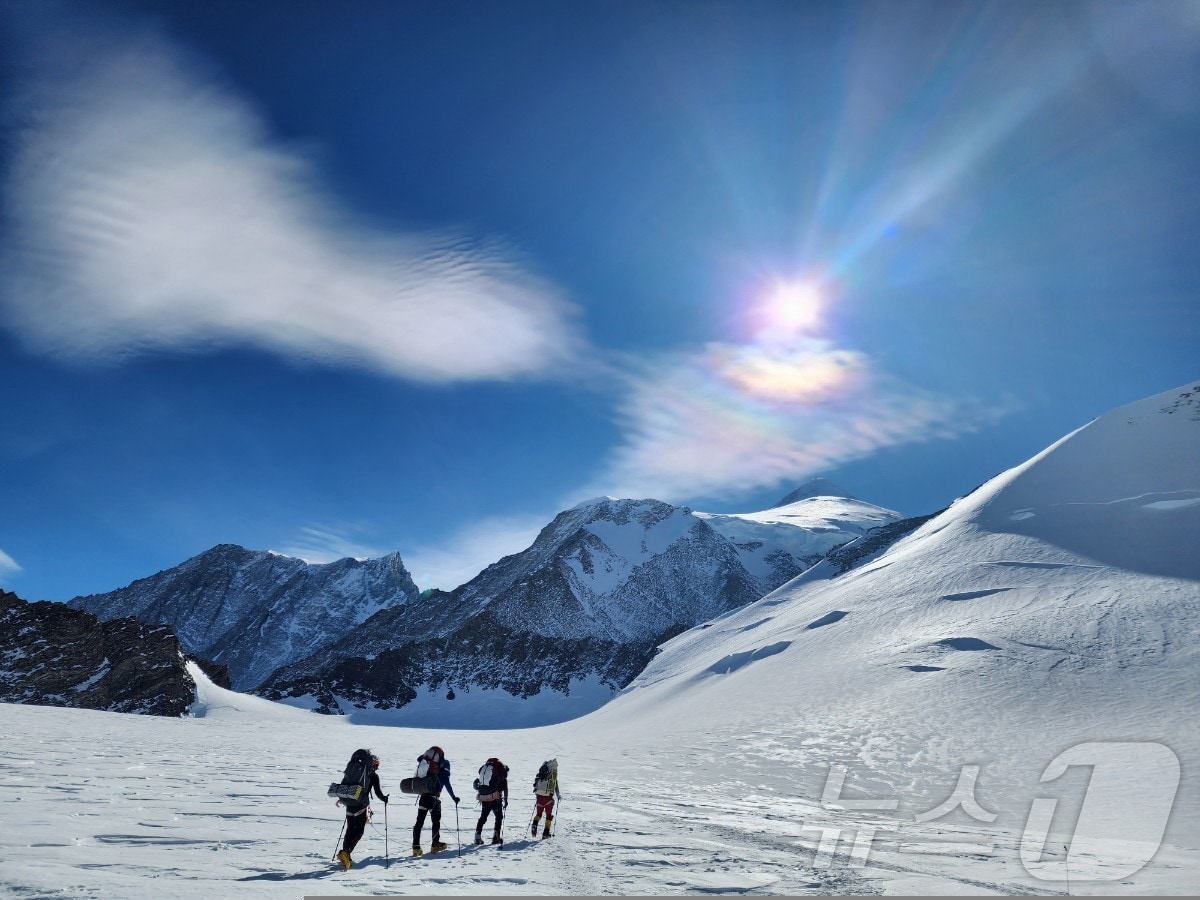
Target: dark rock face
(874, 542)
(482, 655)
(57, 656)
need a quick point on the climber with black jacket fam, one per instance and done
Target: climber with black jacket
(358, 813)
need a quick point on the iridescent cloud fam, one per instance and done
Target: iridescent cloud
(732, 419)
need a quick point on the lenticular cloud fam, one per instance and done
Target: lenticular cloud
(148, 209)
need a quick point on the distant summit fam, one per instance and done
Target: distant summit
(818, 487)
(253, 610)
(571, 619)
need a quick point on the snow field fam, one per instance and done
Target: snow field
(233, 803)
(816, 741)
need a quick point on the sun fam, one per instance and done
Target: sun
(794, 306)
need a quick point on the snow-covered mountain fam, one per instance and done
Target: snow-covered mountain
(1056, 607)
(575, 616)
(254, 611)
(881, 726)
(778, 543)
(814, 487)
(57, 656)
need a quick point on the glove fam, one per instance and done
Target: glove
(385, 799)
(456, 801)
(506, 803)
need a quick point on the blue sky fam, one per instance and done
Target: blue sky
(340, 279)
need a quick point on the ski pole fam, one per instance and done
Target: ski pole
(457, 832)
(387, 860)
(339, 839)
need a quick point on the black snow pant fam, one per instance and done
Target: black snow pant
(356, 824)
(431, 804)
(491, 806)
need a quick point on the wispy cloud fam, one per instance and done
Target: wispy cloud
(472, 549)
(730, 419)
(147, 207)
(326, 543)
(8, 566)
(446, 564)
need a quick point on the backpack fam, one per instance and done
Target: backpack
(428, 777)
(430, 762)
(491, 781)
(355, 786)
(547, 778)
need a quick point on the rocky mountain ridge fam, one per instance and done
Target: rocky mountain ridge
(587, 603)
(580, 610)
(253, 611)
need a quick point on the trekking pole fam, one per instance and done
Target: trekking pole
(339, 840)
(387, 860)
(457, 833)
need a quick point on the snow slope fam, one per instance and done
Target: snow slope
(804, 744)
(804, 529)
(1057, 605)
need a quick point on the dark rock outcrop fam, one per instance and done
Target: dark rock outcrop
(874, 542)
(57, 656)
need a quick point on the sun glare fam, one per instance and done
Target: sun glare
(794, 306)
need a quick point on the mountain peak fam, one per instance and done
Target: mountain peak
(817, 487)
(594, 501)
